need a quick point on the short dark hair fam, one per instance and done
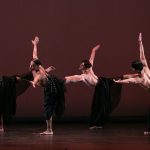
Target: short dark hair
(137, 65)
(35, 64)
(37, 61)
(87, 63)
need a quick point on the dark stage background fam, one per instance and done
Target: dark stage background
(68, 30)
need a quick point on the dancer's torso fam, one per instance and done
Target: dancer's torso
(144, 81)
(43, 78)
(90, 78)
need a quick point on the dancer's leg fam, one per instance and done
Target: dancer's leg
(49, 130)
(1, 124)
(148, 131)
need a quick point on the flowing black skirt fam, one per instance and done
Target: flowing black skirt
(7, 97)
(106, 97)
(54, 98)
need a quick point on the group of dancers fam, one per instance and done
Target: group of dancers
(106, 96)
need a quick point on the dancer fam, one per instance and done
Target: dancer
(142, 75)
(104, 100)
(53, 89)
(10, 88)
(7, 98)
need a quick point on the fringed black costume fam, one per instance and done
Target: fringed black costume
(54, 99)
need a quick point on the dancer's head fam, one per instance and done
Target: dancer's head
(85, 64)
(137, 65)
(34, 64)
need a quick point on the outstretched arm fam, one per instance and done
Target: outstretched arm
(35, 42)
(142, 55)
(92, 57)
(127, 76)
(74, 78)
(130, 80)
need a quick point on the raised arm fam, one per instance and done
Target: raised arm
(142, 55)
(35, 42)
(92, 57)
(74, 78)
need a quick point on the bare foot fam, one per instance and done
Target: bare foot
(147, 133)
(47, 133)
(95, 128)
(92, 128)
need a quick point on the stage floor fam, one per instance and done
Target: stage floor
(75, 136)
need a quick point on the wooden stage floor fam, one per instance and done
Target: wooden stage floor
(75, 136)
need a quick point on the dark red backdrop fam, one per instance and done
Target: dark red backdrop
(68, 29)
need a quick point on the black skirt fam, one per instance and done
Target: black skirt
(7, 97)
(54, 98)
(105, 99)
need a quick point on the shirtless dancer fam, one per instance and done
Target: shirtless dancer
(101, 105)
(41, 78)
(86, 67)
(142, 77)
(54, 89)
(39, 73)
(13, 86)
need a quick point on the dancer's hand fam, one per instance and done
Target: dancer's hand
(32, 84)
(35, 41)
(18, 78)
(140, 37)
(96, 47)
(117, 81)
(51, 68)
